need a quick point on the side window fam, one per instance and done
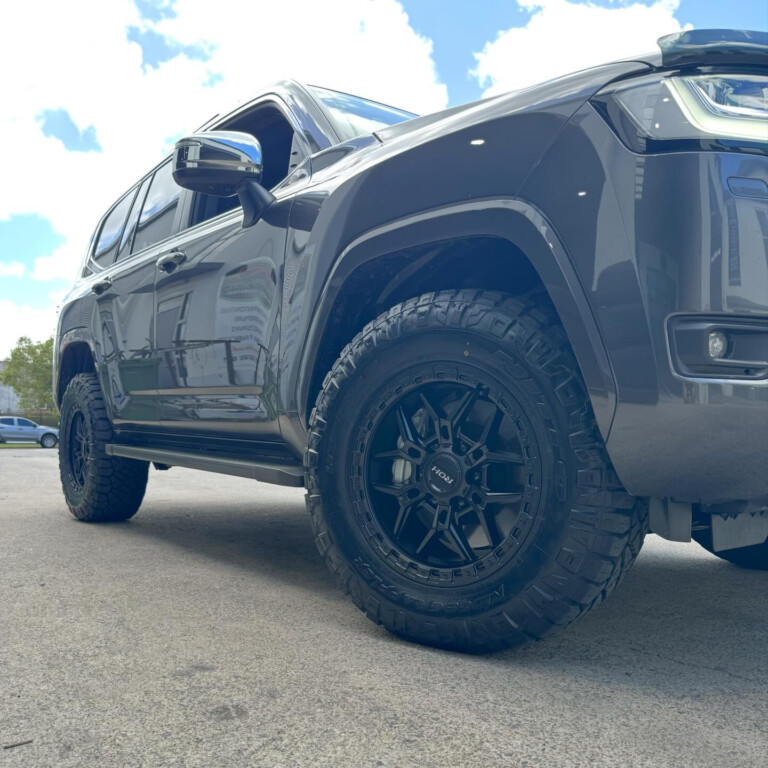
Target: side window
(280, 151)
(25, 423)
(6, 421)
(159, 210)
(132, 221)
(111, 229)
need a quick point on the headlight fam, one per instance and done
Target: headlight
(654, 115)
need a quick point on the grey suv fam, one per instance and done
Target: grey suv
(496, 344)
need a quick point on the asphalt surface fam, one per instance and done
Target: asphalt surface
(207, 632)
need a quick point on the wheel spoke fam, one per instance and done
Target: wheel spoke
(425, 540)
(392, 490)
(429, 407)
(488, 526)
(465, 406)
(78, 450)
(504, 457)
(407, 432)
(491, 427)
(404, 512)
(457, 535)
(434, 420)
(492, 497)
(395, 454)
(490, 529)
(478, 452)
(412, 448)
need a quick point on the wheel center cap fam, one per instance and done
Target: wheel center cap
(443, 475)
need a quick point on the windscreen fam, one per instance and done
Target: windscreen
(353, 116)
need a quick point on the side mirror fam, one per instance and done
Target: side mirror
(224, 164)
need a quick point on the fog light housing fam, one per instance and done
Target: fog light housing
(718, 345)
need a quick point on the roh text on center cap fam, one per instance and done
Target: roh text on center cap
(444, 474)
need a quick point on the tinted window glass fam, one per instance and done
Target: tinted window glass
(7, 422)
(159, 210)
(106, 246)
(132, 221)
(26, 423)
(207, 207)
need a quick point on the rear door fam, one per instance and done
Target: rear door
(134, 233)
(217, 302)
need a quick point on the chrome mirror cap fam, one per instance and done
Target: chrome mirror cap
(217, 162)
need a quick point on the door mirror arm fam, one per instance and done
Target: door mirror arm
(254, 199)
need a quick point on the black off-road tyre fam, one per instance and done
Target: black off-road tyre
(577, 531)
(754, 557)
(98, 488)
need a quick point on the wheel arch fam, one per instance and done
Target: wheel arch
(509, 245)
(75, 356)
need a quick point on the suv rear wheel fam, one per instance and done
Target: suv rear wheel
(98, 488)
(457, 482)
(48, 441)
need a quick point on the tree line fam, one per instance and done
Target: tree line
(29, 372)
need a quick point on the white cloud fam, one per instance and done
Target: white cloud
(11, 269)
(563, 36)
(78, 58)
(21, 320)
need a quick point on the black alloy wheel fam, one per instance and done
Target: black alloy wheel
(78, 451)
(452, 475)
(457, 482)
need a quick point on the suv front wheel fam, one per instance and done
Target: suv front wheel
(457, 482)
(97, 487)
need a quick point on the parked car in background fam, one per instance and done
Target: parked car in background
(496, 344)
(21, 430)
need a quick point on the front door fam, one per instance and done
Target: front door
(217, 326)
(217, 301)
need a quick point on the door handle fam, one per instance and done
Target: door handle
(101, 285)
(169, 261)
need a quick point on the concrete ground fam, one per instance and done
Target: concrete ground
(207, 632)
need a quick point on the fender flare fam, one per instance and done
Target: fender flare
(511, 219)
(78, 335)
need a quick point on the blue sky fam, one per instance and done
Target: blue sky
(166, 65)
(459, 28)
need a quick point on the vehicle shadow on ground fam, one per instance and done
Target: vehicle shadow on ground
(672, 608)
(277, 542)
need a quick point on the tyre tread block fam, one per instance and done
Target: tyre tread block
(606, 526)
(115, 486)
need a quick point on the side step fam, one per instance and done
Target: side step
(278, 474)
